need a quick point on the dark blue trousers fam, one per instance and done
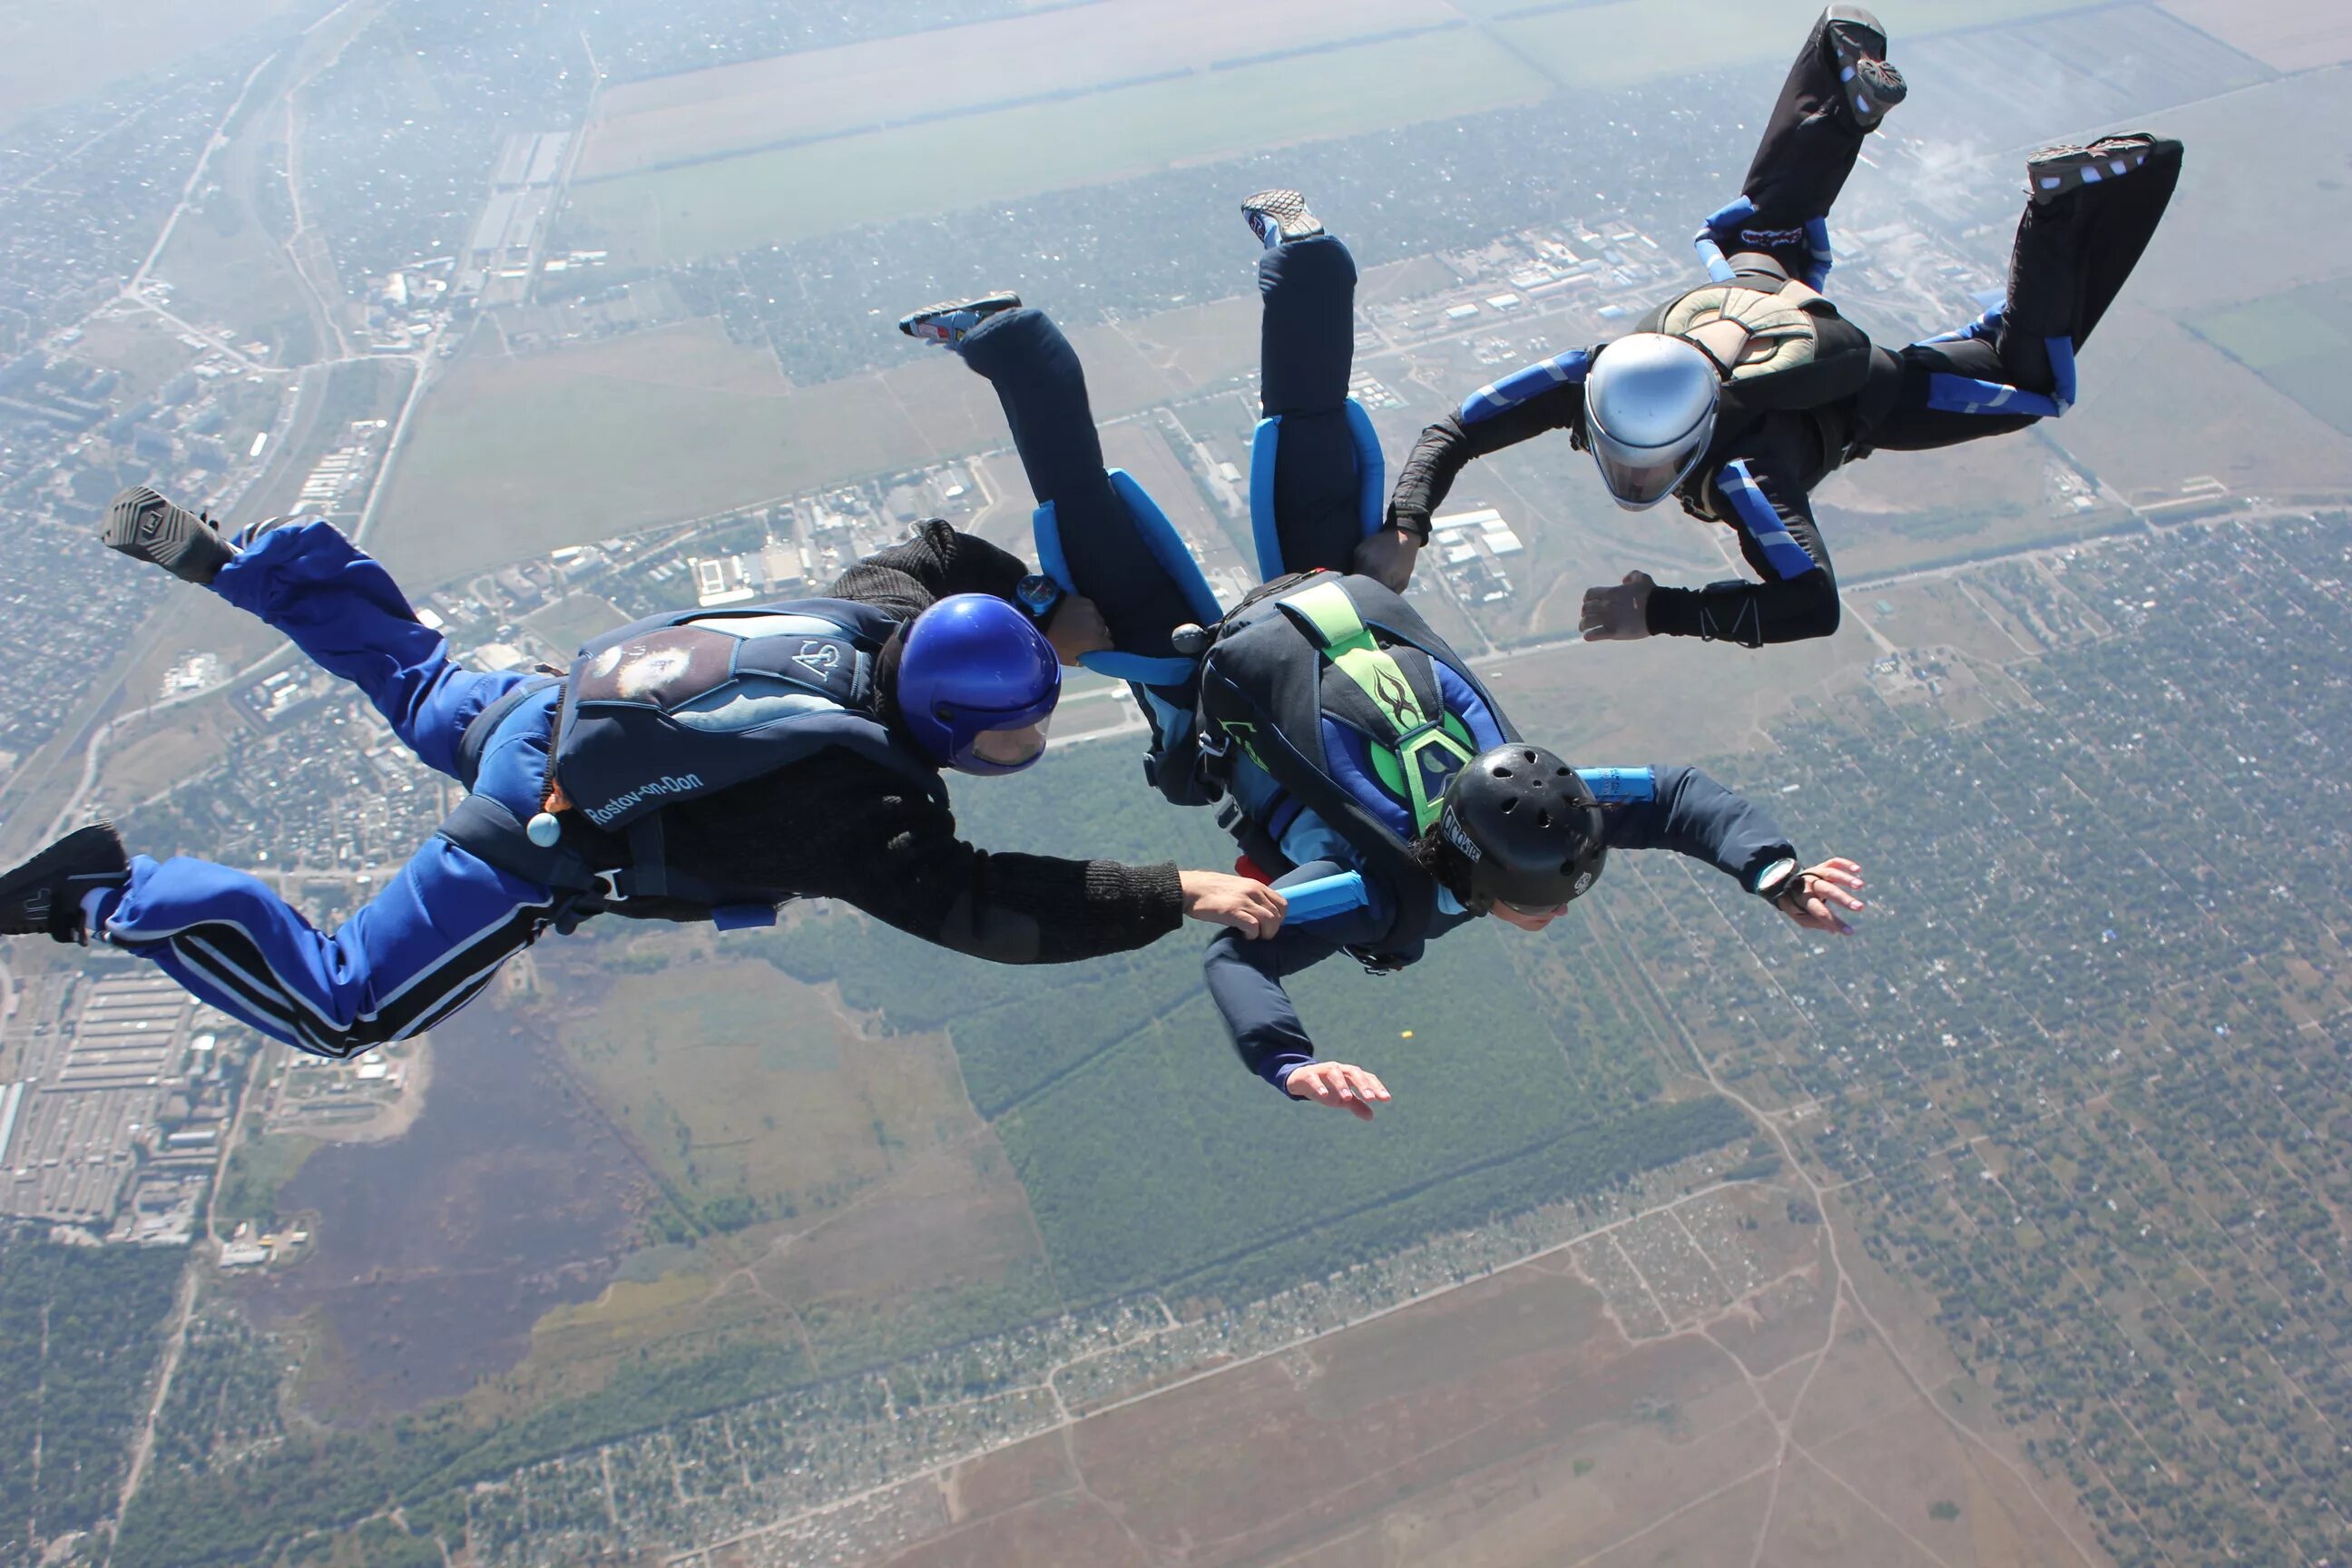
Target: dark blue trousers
(1306, 351)
(436, 933)
(1307, 347)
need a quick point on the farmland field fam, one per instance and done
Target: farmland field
(2297, 342)
(2291, 35)
(580, 443)
(791, 193)
(1068, 51)
(1703, 1383)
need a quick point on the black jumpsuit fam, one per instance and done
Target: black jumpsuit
(1811, 393)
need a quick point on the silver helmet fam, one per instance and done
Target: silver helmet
(1649, 412)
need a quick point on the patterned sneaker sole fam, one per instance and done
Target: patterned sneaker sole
(1277, 215)
(143, 524)
(951, 321)
(2055, 171)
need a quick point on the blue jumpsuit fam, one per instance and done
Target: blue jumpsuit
(433, 937)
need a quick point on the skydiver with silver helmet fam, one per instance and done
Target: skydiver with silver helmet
(705, 764)
(1740, 396)
(1365, 771)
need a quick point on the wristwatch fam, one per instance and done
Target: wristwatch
(1039, 595)
(1778, 879)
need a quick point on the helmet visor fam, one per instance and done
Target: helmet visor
(1007, 751)
(1643, 477)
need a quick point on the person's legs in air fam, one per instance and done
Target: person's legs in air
(1106, 552)
(416, 953)
(2090, 217)
(1836, 93)
(337, 603)
(1307, 346)
(1042, 389)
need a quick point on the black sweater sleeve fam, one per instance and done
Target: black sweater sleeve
(936, 563)
(842, 826)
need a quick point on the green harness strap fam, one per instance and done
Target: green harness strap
(1416, 747)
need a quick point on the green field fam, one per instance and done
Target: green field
(2297, 342)
(789, 194)
(1633, 41)
(513, 457)
(754, 1096)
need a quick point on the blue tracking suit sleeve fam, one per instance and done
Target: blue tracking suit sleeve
(1244, 978)
(1798, 596)
(1675, 808)
(1690, 813)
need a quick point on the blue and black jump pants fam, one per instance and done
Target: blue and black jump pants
(2012, 365)
(1307, 349)
(436, 933)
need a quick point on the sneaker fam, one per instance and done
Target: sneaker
(2054, 171)
(1275, 217)
(142, 524)
(44, 895)
(952, 321)
(1857, 44)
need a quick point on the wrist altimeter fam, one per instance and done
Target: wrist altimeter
(1781, 883)
(1040, 596)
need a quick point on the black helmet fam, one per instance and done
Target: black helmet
(1520, 827)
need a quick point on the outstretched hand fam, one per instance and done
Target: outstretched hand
(1351, 1088)
(1077, 628)
(1387, 557)
(1220, 898)
(1621, 614)
(1816, 894)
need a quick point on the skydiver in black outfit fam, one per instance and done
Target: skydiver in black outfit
(1741, 395)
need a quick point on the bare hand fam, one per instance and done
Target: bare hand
(1220, 898)
(1350, 1089)
(1816, 894)
(1621, 614)
(1387, 557)
(1077, 628)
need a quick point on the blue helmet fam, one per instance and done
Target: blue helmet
(977, 683)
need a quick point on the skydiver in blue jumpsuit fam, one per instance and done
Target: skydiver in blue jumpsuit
(1740, 396)
(1289, 710)
(706, 765)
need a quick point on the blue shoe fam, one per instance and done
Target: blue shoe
(2054, 171)
(952, 321)
(1857, 44)
(43, 896)
(1277, 216)
(141, 523)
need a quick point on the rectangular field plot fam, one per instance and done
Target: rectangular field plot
(2297, 342)
(822, 94)
(2288, 35)
(788, 194)
(1622, 42)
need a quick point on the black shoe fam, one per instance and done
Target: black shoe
(1857, 44)
(44, 895)
(952, 321)
(142, 524)
(1275, 217)
(2054, 171)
